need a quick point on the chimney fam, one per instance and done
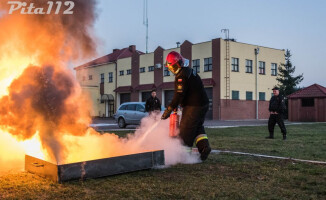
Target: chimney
(114, 50)
(132, 48)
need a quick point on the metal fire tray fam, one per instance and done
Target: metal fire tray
(94, 168)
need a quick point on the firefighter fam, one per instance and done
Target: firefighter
(190, 94)
(153, 103)
(276, 109)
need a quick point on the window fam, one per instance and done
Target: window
(110, 77)
(196, 65)
(248, 66)
(274, 69)
(207, 64)
(261, 96)
(128, 71)
(166, 72)
(235, 95)
(131, 107)
(261, 67)
(121, 73)
(124, 107)
(308, 102)
(140, 108)
(150, 68)
(142, 69)
(102, 78)
(235, 64)
(90, 77)
(248, 95)
(84, 78)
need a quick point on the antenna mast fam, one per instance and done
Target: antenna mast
(145, 22)
(226, 31)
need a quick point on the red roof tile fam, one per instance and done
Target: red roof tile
(145, 87)
(112, 57)
(314, 90)
(124, 89)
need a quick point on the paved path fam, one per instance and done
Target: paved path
(101, 124)
(267, 156)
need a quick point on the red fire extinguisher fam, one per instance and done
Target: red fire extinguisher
(174, 124)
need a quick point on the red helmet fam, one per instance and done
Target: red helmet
(174, 61)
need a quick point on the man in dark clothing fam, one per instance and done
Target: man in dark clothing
(276, 109)
(190, 94)
(153, 103)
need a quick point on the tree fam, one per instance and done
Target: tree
(287, 82)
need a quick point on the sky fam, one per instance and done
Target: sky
(297, 25)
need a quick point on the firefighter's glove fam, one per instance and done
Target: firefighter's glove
(167, 113)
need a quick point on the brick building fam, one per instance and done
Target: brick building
(227, 68)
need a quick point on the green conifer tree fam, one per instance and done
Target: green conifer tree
(287, 82)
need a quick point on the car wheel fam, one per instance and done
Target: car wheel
(122, 123)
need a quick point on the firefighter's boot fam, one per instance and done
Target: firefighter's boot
(203, 146)
(271, 136)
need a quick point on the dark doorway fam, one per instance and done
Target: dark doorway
(145, 96)
(168, 96)
(111, 108)
(209, 92)
(124, 97)
(108, 100)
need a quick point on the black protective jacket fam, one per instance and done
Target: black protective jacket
(152, 104)
(188, 89)
(276, 104)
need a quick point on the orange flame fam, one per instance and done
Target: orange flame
(40, 99)
(42, 109)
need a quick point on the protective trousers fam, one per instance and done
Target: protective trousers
(191, 128)
(273, 119)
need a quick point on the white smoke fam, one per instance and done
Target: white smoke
(159, 138)
(151, 135)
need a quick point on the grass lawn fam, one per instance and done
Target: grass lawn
(222, 176)
(303, 141)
